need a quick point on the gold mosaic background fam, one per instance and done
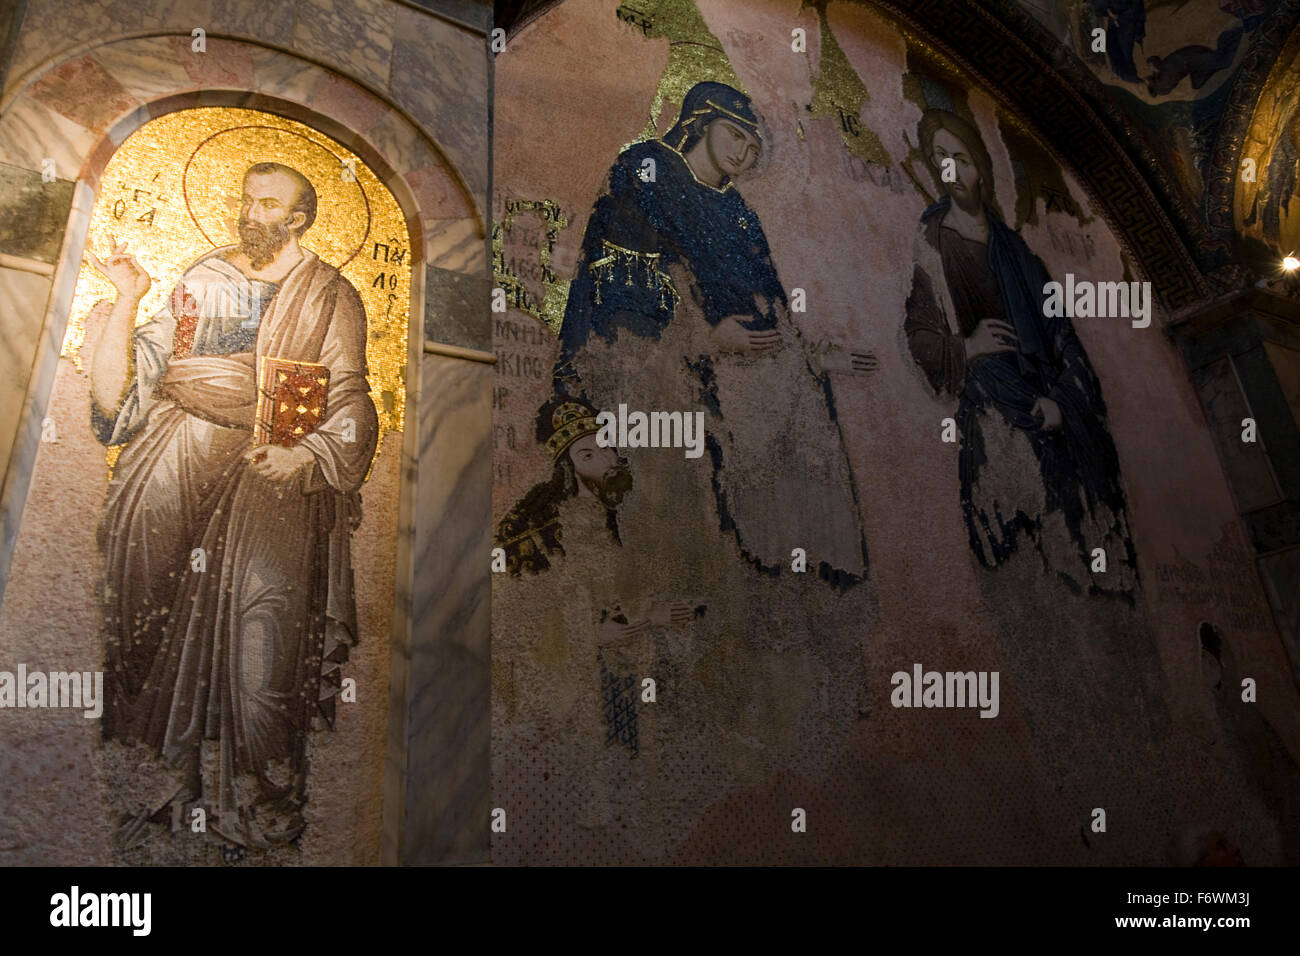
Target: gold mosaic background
(838, 92)
(172, 191)
(694, 55)
(550, 302)
(1277, 115)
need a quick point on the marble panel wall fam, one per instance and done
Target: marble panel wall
(407, 89)
(447, 727)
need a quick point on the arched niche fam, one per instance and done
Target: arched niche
(70, 114)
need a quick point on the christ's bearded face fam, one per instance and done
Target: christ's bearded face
(965, 189)
(266, 219)
(600, 470)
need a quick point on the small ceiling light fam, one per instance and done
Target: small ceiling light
(1290, 263)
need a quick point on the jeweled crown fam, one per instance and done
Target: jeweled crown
(569, 422)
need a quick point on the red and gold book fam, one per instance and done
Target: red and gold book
(290, 401)
(185, 309)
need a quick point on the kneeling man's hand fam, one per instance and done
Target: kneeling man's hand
(277, 463)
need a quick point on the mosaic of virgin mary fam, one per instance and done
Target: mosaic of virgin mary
(1037, 461)
(676, 305)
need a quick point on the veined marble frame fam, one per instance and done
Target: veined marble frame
(434, 800)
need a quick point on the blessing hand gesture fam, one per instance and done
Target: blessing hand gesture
(122, 269)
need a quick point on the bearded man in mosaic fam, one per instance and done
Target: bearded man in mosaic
(227, 597)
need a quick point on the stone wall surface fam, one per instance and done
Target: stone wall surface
(1104, 704)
